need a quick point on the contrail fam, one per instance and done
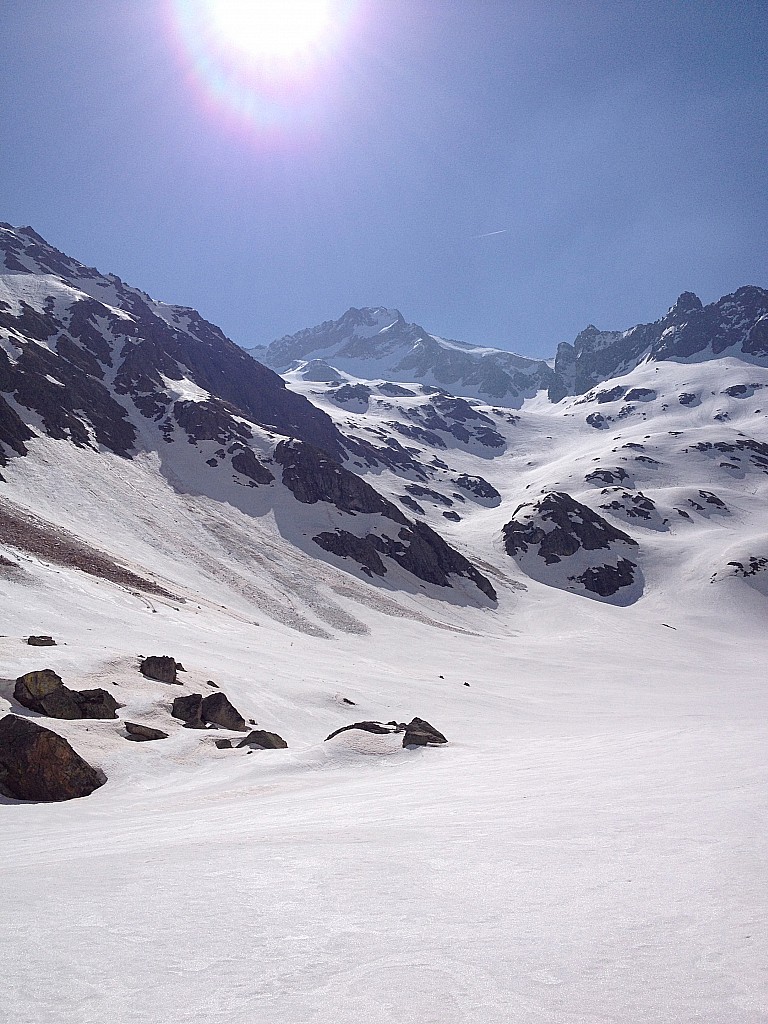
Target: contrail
(489, 233)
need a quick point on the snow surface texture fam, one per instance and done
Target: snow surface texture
(588, 847)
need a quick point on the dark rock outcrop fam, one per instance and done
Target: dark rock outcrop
(558, 529)
(419, 733)
(379, 728)
(571, 526)
(37, 764)
(606, 580)
(41, 641)
(142, 733)
(189, 710)
(217, 709)
(160, 667)
(43, 691)
(313, 476)
(261, 739)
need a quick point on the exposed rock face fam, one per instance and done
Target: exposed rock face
(313, 476)
(189, 710)
(736, 324)
(419, 733)
(558, 529)
(479, 488)
(406, 352)
(61, 347)
(43, 691)
(217, 709)
(37, 764)
(142, 733)
(570, 526)
(417, 548)
(260, 739)
(160, 667)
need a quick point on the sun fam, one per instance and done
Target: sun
(270, 29)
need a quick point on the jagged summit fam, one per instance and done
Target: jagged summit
(377, 342)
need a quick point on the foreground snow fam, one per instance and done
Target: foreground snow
(589, 847)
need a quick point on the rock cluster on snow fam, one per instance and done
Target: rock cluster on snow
(43, 691)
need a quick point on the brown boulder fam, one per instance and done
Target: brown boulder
(419, 733)
(37, 764)
(160, 667)
(188, 709)
(142, 733)
(45, 693)
(264, 740)
(218, 710)
(33, 687)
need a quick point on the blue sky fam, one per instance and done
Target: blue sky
(504, 173)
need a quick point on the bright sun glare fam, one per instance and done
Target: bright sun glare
(270, 29)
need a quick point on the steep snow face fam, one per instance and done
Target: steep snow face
(378, 343)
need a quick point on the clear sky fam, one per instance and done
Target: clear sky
(502, 172)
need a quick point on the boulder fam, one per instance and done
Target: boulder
(41, 641)
(37, 764)
(160, 667)
(188, 710)
(264, 740)
(96, 703)
(142, 733)
(223, 744)
(217, 709)
(43, 691)
(33, 687)
(419, 733)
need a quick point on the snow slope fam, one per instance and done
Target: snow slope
(590, 844)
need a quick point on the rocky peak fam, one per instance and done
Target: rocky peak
(686, 303)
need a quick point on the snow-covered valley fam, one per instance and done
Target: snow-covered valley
(589, 845)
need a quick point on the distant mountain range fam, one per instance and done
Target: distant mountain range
(378, 343)
(413, 463)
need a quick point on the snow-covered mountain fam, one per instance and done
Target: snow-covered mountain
(372, 343)
(379, 344)
(234, 568)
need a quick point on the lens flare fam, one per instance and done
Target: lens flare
(268, 63)
(271, 28)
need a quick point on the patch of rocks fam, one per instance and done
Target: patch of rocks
(199, 712)
(43, 691)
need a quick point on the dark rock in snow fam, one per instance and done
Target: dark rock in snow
(419, 733)
(223, 744)
(141, 733)
(43, 691)
(379, 728)
(573, 526)
(217, 709)
(189, 710)
(41, 641)
(37, 764)
(160, 667)
(259, 738)
(606, 580)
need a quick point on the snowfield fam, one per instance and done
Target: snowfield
(590, 846)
